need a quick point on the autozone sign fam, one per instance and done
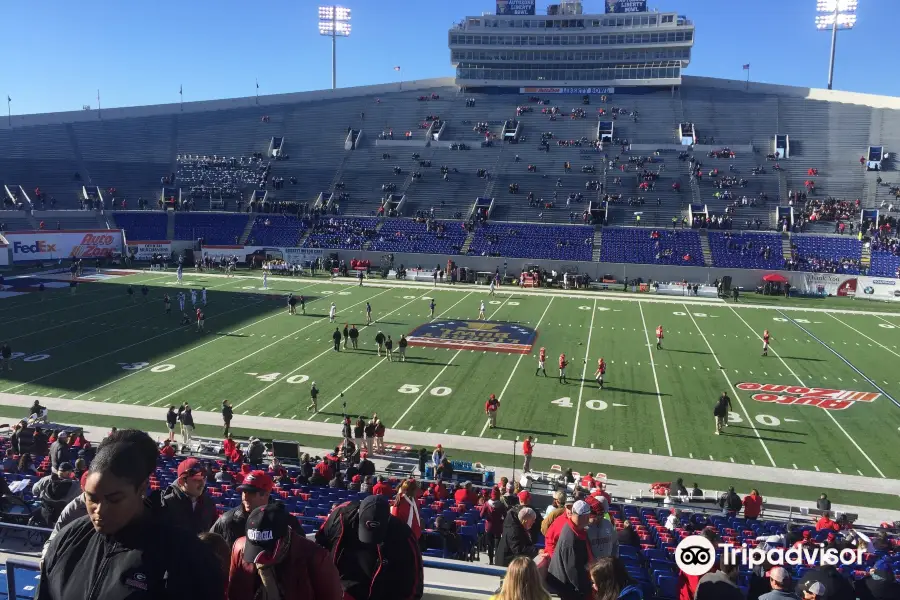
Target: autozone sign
(49, 245)
(826, 398)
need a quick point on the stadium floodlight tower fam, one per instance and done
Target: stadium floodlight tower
(334, 21)
(834, 15)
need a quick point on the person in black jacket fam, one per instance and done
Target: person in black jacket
(186, 500)
(516, 539)
(227, 413)
(171, 421)
(366, 466)
(837, 587)
(187, 424)
(59, 451)
(375, 553)
(731, 502)
(879, 584)
(124, 548)
(255, 491)
(336, 338)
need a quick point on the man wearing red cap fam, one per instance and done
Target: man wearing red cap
(256, 491)
(186, 499)
(601, 532)
(490, 409)
(274, 561)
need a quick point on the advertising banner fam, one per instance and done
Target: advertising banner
(53, 245)
(829, 284)
(626, 6)
(515, 7)
(567, 90)
(878, 288)
(4, 252)
(145, 250)
(291, 255)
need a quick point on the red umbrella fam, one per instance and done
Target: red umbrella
(775, 278)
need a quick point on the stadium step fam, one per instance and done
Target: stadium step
(378, 227)
(598, 243)
(247, 228)
(465, 247)
(865, 258)
(704, 245)
(170, 224)
(786, 245)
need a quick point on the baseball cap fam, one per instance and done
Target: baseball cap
(62, 434)
(814, 587)
(581, 508)
(266, 526)
(66, 466)
(594, 504)
(779, 574)
(806, 534)
(190, 467)
(524, 497)
(570, 500)
(374, 516)
(257, 481)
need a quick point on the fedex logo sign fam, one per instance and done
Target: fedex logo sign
(37, 247)
(828, 399)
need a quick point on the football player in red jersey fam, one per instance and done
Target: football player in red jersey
(659, 337)
(200, 319)
(601, 371)
(765, 337)
(542, 357)
(563, 363)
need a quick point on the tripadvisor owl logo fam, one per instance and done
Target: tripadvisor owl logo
(696, 555)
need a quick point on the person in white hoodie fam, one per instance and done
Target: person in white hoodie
(437, 457)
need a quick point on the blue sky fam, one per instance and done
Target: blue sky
(139, 53)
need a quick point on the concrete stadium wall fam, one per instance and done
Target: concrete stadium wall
(745, 278)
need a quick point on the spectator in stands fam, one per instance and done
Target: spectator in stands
(466, 494)
(721, 584)
(376, 554)
(59, 451)
(522, 582)
(824, 582)
(437, 456)
(404, 506)
(40, 443)
(186, 500)
(610, 581)
(753, 505)
(167, 450)
(26, 465)
(825, 522)
(72, 511)
(366, 467)
(696, 491)
(255, 491)
(337, 482)
(555, 527)
(381, 488)
(823, 503)
(125, 535)
(255, 451)
(687, 584)
(171, 420)
(568, 574)
(780, 584)
(628, 536)
(554, 509)
(493, 512)
(516, 539)
(273, 562)
(601, 531)
(730, 502)
(879, 584)
(55, 491)
(10, 464)
(220, 549)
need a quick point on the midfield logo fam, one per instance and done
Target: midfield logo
(794, 394)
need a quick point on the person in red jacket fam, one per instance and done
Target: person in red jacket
(381, 488)
(272, 561)
(494, 513)
(405, 508)
(825, 522)
(527, 451)
(753, 505)
(465, 494)
(490, 409)
(439, 491)
(167, 449)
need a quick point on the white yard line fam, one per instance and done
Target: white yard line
(662, 411)
(449, 362)
(308, 362)
(587, 355)
(509, 379)
(827, 412)
(255, 352)
(731, 385)
(864, 335)
(192, 348)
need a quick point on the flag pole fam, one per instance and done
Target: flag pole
(98, 105)
(257, 90)
(181, 97)
(8, 110)
(747, 84)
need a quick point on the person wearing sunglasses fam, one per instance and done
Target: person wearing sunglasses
(186, 500)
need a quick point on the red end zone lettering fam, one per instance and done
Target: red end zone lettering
(827, 399)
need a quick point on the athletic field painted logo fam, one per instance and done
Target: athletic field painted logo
(487, 336)
(794, 394)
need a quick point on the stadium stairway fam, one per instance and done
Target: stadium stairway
(598, 244)
(786, 245)
(865, 258)
(704, 245)
(247, 229)
(170, 224)
(468, 243)
(378, 227)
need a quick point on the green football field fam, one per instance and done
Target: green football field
(99, 345)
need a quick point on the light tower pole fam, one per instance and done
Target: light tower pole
(334, 22)
(835, 15)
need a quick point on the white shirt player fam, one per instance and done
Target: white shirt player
(332, 312)
(181, 301)
(204, 296)
(193, 297)
(492, 287)
(265, 280)
(481, 310)
(178, 273)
